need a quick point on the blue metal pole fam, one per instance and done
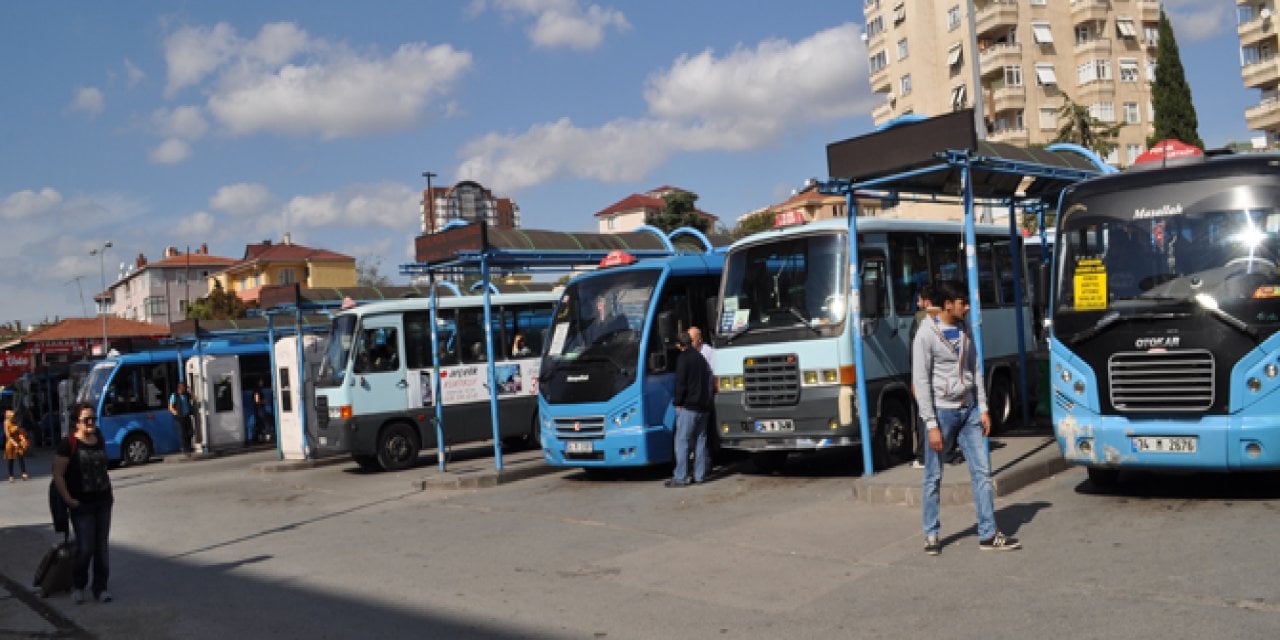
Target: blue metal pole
(493, 377)
(971, 264)
(855, 305)
(1019, 263)
(436, 399)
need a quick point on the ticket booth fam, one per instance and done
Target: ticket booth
(295, 440)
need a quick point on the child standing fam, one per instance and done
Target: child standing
(15, 444)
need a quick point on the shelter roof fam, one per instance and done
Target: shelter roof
(80, 328)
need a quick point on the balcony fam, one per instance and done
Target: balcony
(1096, 90)
(998, 13)
(1255, 30)
(1264, 116)
(1261, 74)
(1008, 98)
(1090, 10)
(880, 81)
(1096, 48)
(1148, 10)
(1010, 136)
(882, 113)
(998, 56)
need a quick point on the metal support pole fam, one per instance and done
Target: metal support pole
(271, 362)
(971, 264)
(300, 394)
(1019, 264)
(436, 398)
(493, 377)
(855, 305)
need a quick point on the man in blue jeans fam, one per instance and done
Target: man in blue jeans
(692, 400)
(953, 405)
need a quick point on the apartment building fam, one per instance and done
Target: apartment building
(1028, 55)
(160, 292)
(467, 201)
(1258, 64)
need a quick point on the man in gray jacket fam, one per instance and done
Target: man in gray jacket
(953, 406)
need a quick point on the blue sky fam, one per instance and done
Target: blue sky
(155, 124)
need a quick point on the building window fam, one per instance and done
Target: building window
(1104, 111)
(1128, 70)
(953, 18)
(1083, 34)
(902, 49)
(879, 61)
(1041, 33)
(1104, 69)
(1048, 118)
(957, 96)
(156, 306)
(1037, 3)
(1113, 157)
(904, 85)
(1131, 115)
(875, 26)
(1045, 74)
(287, 277)
(1150, 33)
(1132, 152)
(953, 54)
(1013, 76)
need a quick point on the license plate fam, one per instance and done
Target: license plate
(1164, 444)
(773, 426)
(578, 446)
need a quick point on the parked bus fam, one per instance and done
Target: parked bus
(130, 393)
(375, 386)
(608, 371)
(1166, 305)
(784, 349)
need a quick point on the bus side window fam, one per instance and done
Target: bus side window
(447, 336)
(417, 339)
(378, 351)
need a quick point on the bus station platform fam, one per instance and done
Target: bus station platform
(1016, 461)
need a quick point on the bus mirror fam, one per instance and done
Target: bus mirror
(667, 327)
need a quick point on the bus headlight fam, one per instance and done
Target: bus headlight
(810, 376)
(830, 376)
(1066, 376)
(738, 382)
(1270, 370)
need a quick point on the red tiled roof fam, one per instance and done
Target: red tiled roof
(79, 328)
(631, 202)
(263, 252)
(194, 259)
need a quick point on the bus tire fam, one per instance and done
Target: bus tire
(397, 447)
(1102, 478)
(769, 461)
(366, 462)
(894, 439)
(1000, 403)
(136, 450)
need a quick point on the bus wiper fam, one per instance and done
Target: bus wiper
(1116, 317)
(803, 320)
(1208, 303)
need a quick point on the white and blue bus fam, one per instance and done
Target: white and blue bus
(130, 394)
(376, 389)
(784, 361)
(608, 369)
(1164, 350)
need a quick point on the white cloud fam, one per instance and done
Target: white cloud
(185, 122)
(191, 53)
(243, 199)
(563, 23)
(744, 100)
(394, 206)
(171, 151)
(133, 73)
(90, 100)
(1199, 20)
(197, 225)
(25, 204)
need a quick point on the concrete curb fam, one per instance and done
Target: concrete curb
(279, 466)
(471, 477)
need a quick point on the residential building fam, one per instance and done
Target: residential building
(1031, 55)
(467, 201)
(268, 263)
(808, 205)
(1259, 66)
(630, 212)
(160, 292)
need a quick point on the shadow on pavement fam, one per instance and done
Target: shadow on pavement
(1190, 486)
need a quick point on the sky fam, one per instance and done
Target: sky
(156, 124)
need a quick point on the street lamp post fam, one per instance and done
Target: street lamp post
(431, 203)
(102, 275)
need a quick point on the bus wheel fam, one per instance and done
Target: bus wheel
(894, 439)
(397, 447)
(769, 461)
(368, 463)
(1000, 403)
(1104, 478)
(136, 449)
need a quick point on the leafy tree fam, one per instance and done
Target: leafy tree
(754, 223)
(1080, 127)
(220, 304)
(368, 273)
(1170, 94)
(678, 210)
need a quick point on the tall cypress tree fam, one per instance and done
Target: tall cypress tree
(1170, 94)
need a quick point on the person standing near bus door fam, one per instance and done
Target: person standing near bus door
(708, 353)
(692, 401)
(80, 477)
(180, 407)
(264, 430)
(925, 311)
(953, 405)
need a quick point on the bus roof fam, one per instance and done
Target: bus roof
(254, 345)
(872, 225)
(450, 302)
(1211, 167)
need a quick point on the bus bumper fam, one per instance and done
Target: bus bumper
(625, 447)
(814, 423)
(1211, 443)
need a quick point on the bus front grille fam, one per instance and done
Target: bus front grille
(582, 427)
(1161, 381)
(771, 381)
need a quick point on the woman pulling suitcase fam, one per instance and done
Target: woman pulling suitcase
(80, 477)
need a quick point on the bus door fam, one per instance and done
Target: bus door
(218, 394)
(884, 352)
(137, 399)
(379, 385)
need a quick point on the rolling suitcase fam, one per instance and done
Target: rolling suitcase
(54, 572)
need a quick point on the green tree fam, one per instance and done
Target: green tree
(1080, 127)
(678, 210)
(754, 223)
(220, 304)
(1170, 94)
(368, 273)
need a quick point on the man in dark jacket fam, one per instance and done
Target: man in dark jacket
(692, 401)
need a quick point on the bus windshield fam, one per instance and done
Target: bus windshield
(1119, 261)
(91, 391)
(334, 365)
(797, 281)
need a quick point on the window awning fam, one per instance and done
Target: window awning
(899, 12)
(953, 55)
(957, 96)
(1041, 33)
(1045, 74)
(1126, 27)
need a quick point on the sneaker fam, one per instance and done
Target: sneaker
(104, 596)
(77, 596)
(1000, 542)
(672, 484)
(932, 546)
(916, 464)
